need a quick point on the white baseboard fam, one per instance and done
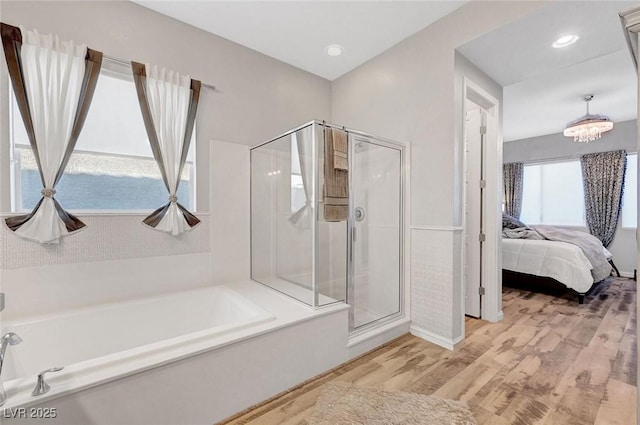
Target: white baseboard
(443, 342)
(627, 274)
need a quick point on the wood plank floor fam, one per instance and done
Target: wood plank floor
(550, 361)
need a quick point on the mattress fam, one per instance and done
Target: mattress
(561, 261)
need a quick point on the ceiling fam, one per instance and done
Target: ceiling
(543, 86)
(297, 32)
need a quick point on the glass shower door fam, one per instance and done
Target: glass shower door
(376, 238)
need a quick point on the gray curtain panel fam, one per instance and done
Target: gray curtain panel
(12, 45)
(512, 175)
(603, 180)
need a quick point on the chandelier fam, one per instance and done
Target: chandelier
(589, 127)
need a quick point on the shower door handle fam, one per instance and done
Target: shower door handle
(350, 245)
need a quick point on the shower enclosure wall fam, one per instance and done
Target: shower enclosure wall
(297, 252)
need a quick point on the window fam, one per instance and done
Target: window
(112, 167)
(298, 198)
(630, 194)
(553, 194)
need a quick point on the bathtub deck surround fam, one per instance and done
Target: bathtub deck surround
(215, 340)
(164, 320)
(210, 341)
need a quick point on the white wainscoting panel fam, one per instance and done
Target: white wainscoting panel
(436, 284)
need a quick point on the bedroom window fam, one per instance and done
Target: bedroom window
(112, 167)
(630, 194)
(553, 194)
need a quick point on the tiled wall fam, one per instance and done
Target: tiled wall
(435, 278)
(106, 237)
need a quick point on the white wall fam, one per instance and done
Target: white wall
(556, 146)
(229, 220)
(408, 93)
(116, 257)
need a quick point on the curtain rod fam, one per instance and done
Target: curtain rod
(566, 158)
(128, 63)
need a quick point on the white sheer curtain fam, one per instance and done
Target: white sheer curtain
(53, 73)
(304, 138)
(169, 99)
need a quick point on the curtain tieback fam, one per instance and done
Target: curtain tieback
(48, 192)
(173, 199)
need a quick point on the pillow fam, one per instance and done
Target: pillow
(509, 222)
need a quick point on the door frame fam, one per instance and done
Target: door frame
(630, 20)
(491, 302)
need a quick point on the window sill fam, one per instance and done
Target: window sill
(576, 226)
(104, 213)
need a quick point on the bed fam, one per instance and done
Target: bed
(561, 261)
(571, 258)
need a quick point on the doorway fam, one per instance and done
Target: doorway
(482, 297)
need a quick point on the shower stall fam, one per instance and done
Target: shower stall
(327, 220)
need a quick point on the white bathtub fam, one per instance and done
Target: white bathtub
(103, 343)
(188, 358)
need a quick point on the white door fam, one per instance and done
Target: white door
(474, 148)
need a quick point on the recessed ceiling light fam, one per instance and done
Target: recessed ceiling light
(565, 41)
(334, 50)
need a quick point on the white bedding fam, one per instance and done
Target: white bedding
(561, 261)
